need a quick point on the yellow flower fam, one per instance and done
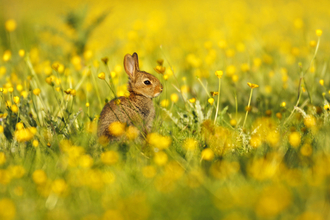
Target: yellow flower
(14, 108)
(309, 121)
(36, 91)
(184, 89)
(73, 92)
(3, 71)
(222, 44)
(19, 125)
(7, 209)
(6, 55)
(252, 86)
(234, 78)
(318, 32)
(117, 128)
(190, 144)
(160, 62)
(207, 154)
(230, 70)
(219, 73)
(306, 150)
(255, 141)
(39, 177)
(109, 157)
(283, 104)
(19, 87)
(295, 139)
(50, 80)
(21, 53)
(10, 25)
(16, 99)
(101, 75)
(233, 122)
(321, 82)
(192, 100)
(279, 115)
(2, 158)
(272, 201)
(312, 43)
(327, 107)
(214, 93)
(164, 103)
(105, 60)
(35, 143)
(174, 97)
(8, 104)
(160, 158)
(59, 186)
(87, 104)
(165, 77)
(245, 67)
(117, 101)
(160, 69)
(85, 161)
(158, 141)
(211, 100)
(24, 135)
(113, 74)
(68, 91)
(132, 132)
(1, 129)
(88, 54)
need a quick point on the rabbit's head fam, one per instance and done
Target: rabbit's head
(140, 82)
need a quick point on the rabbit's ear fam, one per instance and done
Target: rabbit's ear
(129, 65)
(136, 59)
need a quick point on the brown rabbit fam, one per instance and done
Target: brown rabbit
(138, 109)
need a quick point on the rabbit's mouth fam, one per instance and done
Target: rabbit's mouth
(157, 94)
(160, 89)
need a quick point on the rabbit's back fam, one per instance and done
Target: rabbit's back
(136, 111)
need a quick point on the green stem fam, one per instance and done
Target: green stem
(236, 103)
(97, 91)
(247, 112)
(314, 56)
(111, 88)
(299, 96)
(216, 112)
(204, 87)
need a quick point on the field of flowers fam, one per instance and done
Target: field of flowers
(241, 129)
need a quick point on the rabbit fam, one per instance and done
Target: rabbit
(137, 109)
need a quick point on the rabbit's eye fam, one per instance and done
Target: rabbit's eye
(147, 82)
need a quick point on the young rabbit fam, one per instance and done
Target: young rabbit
(137, 109)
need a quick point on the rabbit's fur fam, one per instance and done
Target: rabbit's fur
(137, 109)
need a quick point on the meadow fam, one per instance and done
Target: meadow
(241, 128)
